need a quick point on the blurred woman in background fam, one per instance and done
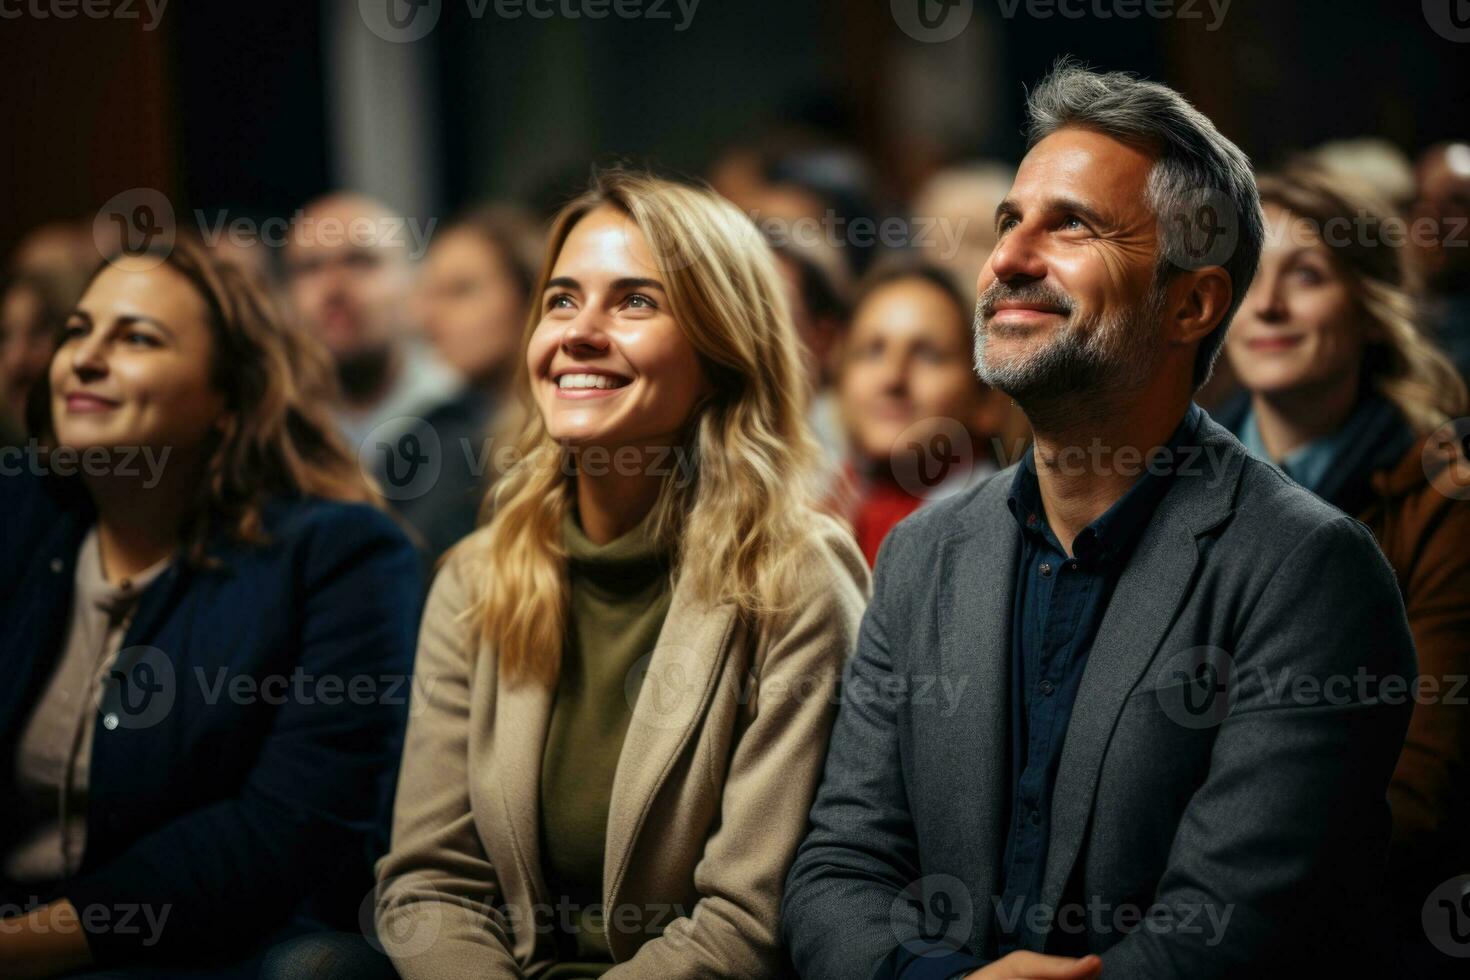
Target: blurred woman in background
(197, 583)
(630, 673)
(473, 297)
(1345, 396)
(919, 420)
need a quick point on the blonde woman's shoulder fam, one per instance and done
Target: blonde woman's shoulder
(833, 554)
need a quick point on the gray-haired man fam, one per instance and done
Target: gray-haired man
(1184, 678)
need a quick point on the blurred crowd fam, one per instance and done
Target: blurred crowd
(882, 297)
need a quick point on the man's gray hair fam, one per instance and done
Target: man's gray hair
(1201, 189)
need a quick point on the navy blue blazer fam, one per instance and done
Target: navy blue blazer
(244, 762)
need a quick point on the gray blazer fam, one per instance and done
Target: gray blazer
(1225, 767)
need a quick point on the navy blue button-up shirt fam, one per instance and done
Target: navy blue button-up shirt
(1059, 604)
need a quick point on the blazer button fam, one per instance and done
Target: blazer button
(109, 720)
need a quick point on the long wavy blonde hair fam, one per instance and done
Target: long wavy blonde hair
(735, 528)
(1402, 364)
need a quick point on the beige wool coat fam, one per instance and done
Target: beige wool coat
(710, 799)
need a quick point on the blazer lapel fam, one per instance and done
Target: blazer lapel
(978, 570)
(679, 679)
(522, 714)
(1145, 600)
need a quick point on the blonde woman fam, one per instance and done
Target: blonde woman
(626, 679)
(1345, 393)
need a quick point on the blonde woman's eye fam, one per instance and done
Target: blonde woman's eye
(640, 301)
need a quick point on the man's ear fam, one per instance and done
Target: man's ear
(1199, 300)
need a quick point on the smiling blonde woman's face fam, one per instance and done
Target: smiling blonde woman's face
(608, 362)
(1299, 325)
(133, 367)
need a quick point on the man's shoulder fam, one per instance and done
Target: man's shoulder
(1274, 513)
(976, 508)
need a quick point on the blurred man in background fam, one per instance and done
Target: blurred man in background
(350, 278)
(1443, 178)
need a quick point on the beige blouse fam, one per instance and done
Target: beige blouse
(53, 756)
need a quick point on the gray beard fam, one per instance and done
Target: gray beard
(1102, 356)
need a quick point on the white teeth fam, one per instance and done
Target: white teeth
(588, 381)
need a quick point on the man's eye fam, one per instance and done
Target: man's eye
(1073, 223)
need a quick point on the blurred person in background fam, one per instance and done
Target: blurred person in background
(1344, 393)
(66, 251)
(962, 199)
(961, 202)
(919, 420)
(1372, 161)
(1443, 176)
(612, 734)
(160, 609)
(350, 279)
(473, 299)
(816, 280)
(33, 309)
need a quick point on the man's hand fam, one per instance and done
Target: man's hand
(1026, 965)
(44, 942)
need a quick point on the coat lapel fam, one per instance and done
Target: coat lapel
(1145, 600)
(522, 714)
(679, 679)
(978, 572)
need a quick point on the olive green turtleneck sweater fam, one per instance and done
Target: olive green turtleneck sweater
(619, 596)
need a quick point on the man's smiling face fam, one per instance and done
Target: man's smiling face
(1066, 297)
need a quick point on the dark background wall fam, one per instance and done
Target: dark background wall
(238, 106)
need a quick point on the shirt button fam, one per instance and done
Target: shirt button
(1046, 569)
(1047, 687)
(109, 721)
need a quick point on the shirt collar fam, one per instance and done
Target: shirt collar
(1117, 530)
